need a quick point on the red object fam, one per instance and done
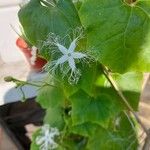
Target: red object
(39, 63)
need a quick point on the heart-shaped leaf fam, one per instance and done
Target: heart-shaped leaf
(38, 19)
(118, 33)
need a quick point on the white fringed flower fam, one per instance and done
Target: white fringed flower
(68, 56)
(46, 139)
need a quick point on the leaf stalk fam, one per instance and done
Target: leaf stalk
(109, 77)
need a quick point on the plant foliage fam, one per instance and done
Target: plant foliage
(90, 115)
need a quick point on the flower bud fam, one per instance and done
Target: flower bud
(8, 79)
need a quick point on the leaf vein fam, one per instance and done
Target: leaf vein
(126, 28)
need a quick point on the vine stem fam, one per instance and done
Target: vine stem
(22, 83)
(121, 95)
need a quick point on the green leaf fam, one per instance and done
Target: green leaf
(97, 110)
(77, 4)
(124, 138)
(39, 20)
(54, 117)
(50, 97)
(103, 140)
(118, 33)
(34, 146)
(70, 144)
(86, 129)
(129, 83)
(89, 75)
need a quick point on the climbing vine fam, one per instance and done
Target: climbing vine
(96, 51)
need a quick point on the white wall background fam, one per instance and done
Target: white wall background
(10, 55)
(8, 16)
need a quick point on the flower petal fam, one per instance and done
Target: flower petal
(40, 140)
(78, 55)
(72, 45)
(72, 63)
(62, 48)
(61, 60)
(45, 128)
